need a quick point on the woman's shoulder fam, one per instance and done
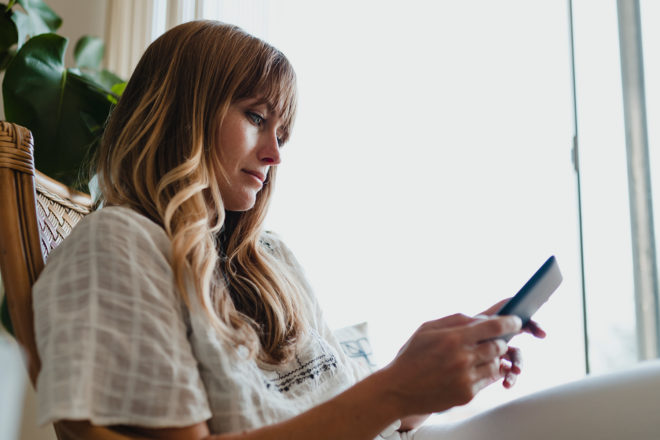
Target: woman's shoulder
(118, 218)
(114, 232)
(115, 254)
(270, 240)
(274, 244)
(119, 223)
(108, 313)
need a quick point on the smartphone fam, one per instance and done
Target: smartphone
(534, 293)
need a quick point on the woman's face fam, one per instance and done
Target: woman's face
(248, 146)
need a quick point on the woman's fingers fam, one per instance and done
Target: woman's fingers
(510, 366)
(515, 357)
(491, 328)
(531, 327)
(495, 307)
(488, 350)
(487, 373)
(457, 319)
(494, 359)
(534, 329)
(509, 379)
(488, 365)
(448, 361)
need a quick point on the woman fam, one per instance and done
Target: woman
(170, 314)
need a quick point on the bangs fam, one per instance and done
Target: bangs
(275, 84)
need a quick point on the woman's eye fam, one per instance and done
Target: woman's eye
(280, 142)
(255, 118)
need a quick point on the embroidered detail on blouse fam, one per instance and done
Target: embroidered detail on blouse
(267, 244)
(310, 370)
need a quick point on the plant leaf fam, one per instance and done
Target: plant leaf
(118, 89)
(5, 58)
(8, 31)
(42, 18)
(23, 27)
(40, 94)
(104, 78)
(88, 52)
(110, 80)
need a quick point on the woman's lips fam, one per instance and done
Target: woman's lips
(257, 175)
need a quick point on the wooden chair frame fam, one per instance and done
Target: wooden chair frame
(36, 214)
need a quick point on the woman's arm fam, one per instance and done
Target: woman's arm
(445, 363)
(411, 422)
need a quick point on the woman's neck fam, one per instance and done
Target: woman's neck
(229, 226)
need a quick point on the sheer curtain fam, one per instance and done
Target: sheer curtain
(129, 30)
(133, 25)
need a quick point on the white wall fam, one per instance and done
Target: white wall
(78, 19)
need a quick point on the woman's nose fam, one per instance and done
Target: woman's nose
(270, 152)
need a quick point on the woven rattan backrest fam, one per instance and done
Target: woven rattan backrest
(58, 210)
(36, 214)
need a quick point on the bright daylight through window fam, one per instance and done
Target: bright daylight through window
(430, 169)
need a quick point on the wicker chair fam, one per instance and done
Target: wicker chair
(37, 213)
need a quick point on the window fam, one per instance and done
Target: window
(606, 213)
(430, 170)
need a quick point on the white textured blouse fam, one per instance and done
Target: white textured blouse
(118, 345)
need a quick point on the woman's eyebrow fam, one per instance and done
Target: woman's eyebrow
(272, 109)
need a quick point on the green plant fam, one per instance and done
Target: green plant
(64, 108)
(16, 26)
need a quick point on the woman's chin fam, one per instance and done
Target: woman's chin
(241, 205)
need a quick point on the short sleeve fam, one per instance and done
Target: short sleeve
(112, 331)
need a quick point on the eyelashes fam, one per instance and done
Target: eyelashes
(255, 118)
(260, 121)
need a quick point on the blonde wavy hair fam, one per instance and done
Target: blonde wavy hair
(158, 157)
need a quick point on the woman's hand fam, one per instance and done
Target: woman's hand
(532, 327)
(448, 361)
(511, 362)
(510, 365)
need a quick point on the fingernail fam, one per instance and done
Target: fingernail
(510, 379)
(517, 321)
(501, 345)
